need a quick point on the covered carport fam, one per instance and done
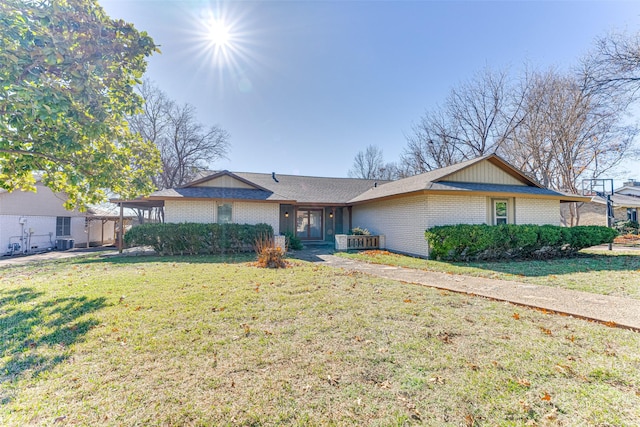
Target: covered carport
(141, 203)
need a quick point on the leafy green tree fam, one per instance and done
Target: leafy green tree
(67, 78)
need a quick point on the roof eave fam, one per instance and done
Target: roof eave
(563, 198)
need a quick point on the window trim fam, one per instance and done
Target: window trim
(222, 204)
(63, 223)
(495, 216)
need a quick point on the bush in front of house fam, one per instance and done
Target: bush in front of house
(194, 238)
(627, 227)
(465, 242)
(292, 241)
(269, 256)
(359, 231)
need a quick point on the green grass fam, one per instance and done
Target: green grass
(212, 341)
(601, 272)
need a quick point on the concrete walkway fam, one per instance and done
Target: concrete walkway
(613, 311)
(54, 255)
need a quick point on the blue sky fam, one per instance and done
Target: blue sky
(304, 85)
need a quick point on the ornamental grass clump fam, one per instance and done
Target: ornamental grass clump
(269, 256)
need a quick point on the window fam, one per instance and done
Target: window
(499, 212)
(63, 226)
(224, 213)
(632, 214)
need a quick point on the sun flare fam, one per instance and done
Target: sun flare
(219, 33)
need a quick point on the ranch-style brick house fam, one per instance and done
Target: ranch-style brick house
(483, 190)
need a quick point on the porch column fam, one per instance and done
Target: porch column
(120, 232)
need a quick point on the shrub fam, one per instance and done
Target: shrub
(465, 242)
(195, 238)
(293, 242)
(358, 231)
(627, 227)
(268, 255)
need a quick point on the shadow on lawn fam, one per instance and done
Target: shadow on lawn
(582, 263)
(28, 353)
(182, 259)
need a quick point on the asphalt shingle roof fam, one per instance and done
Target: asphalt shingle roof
(217, 193)
(342, 191)
(311, 189)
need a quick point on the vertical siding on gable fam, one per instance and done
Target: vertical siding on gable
(484, 172)
(403, 221)
(537, 211)
(224, 181)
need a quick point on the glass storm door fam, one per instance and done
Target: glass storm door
(309, 224)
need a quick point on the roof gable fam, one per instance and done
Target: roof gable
(225, 179)
(489, 169)
(486, 173)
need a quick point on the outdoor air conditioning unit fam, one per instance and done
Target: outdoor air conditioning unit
(64, 244)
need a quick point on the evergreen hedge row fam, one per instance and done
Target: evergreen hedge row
(193, 238)
(466, 242)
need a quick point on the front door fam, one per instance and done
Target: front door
(309, 224)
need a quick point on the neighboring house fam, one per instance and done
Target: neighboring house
(37, 221)
(625, 200)
(483, 190)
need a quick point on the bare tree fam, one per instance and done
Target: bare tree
(186, 146)
(367, 164)
(568, 133)
(433, 144)
(614, 64)
(478, 118)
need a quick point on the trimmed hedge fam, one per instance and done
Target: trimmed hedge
(464, 242)
(193, 238)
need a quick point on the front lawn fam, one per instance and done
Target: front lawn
(602, 272)
(203, 341)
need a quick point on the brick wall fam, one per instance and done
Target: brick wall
(255, 213)
(189, 211)
(451, 210)
(537, 211)
(403, 222)
(205, 212)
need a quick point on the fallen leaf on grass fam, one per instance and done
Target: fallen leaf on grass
(516, 316)
(408, 301)
(332, 381)
(469, 420)
(436, 380)
(546, 397)
(524, 382)
(545, 330)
